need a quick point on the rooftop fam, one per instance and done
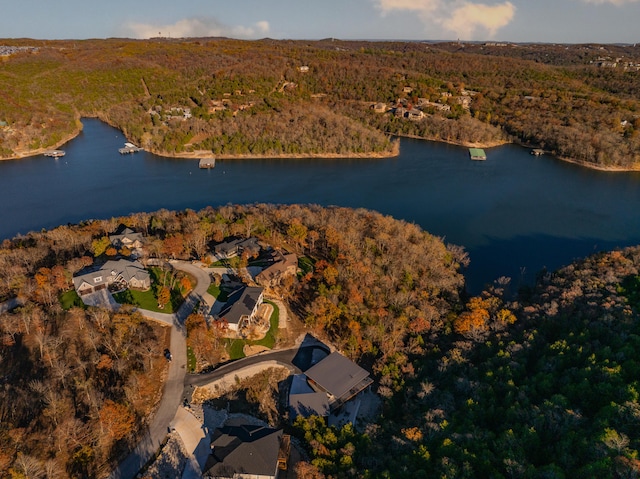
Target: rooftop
(243, 448)
(339, 376)
(241, 303)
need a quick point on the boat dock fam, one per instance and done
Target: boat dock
(207, 163)
(129, 148)
(537, 152)
(477, 154)
(54, 153)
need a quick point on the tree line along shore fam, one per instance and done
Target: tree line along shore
(327, 98)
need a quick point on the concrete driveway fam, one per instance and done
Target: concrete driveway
(169, 412)
(158, 428)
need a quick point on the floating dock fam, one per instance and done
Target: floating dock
(55, 153)
(537, 152)
(207, 163)
(129, 148)
(477, 154)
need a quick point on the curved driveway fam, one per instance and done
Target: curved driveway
(157, 430)
(283, 357)
(172, 394)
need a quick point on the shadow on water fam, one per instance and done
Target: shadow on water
(523, 258)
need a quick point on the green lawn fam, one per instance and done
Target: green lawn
(215, 291)
(71, 299)
(305, 264)
(142, 299)
(149, 299)
(227, 263)
(235, 346)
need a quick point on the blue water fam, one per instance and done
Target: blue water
(514, 213)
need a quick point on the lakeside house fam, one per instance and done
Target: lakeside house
(241, 307)
(126, 238)
(414, 114)
(122, 273)
(283, 265)
(240, 450)
(234, 247)
(326, 386)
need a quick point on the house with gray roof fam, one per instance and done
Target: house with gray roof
(242, 307)
(126, 237)
(234, 247)
(282, 265)
(339, 378)
(125, 273)
(304, 401)
(241, 451)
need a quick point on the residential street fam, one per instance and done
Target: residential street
(173, 389)
(173, 393)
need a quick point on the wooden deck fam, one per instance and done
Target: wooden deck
(206, 163)
(129, 148)
(54, 153)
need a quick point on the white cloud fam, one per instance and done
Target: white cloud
(196, 27)
(470, 16)
(462, 17)
(413, 5)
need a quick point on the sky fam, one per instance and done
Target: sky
(553, 21)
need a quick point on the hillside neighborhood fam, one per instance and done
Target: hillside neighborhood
(320, 381)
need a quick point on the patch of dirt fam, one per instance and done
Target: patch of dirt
(170, 462)
(251, 350)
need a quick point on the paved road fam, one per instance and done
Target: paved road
(197, 295)
(174, 389)
(282, 357)
(174, 386)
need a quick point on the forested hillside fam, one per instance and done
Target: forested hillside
(547, 387)
(542, 384)
(303, 98)
(79, 383)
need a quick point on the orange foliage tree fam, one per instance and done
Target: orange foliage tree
(116, 419)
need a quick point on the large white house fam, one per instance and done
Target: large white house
(127, 274)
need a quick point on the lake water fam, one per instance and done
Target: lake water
(514, 213)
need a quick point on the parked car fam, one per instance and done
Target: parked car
(167, 354)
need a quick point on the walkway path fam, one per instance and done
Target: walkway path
(283, 317)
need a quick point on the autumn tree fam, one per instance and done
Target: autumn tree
(164, 296)
(100, 245)
(116, 420)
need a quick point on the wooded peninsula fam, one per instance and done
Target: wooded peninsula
(328, 98)
(531, 384)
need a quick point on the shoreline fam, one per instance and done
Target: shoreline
(395, 151)
(285, 156)
(491, 144)
(592, 166)
(40, 151)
